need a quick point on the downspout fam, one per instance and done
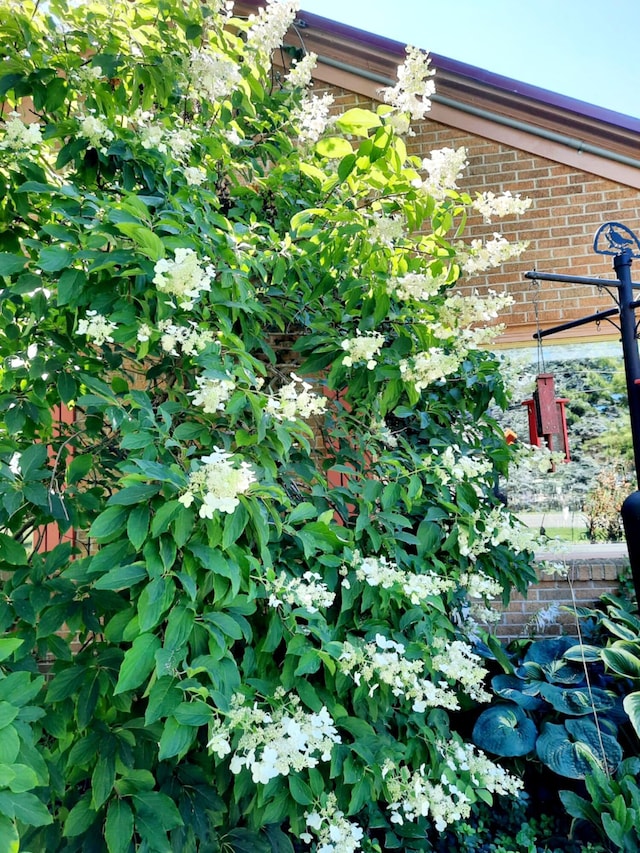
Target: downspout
(550, 135)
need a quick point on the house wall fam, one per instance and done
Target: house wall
(587, 579)
(569, 205)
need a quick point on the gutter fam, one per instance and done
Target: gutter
(515, 124)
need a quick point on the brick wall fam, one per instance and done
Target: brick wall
(587, 580)
(568, 207)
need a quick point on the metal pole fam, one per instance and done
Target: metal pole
(622, 266)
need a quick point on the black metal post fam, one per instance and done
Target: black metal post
(630, 510)
(622, 266)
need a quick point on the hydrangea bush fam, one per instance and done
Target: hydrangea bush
(259, 616)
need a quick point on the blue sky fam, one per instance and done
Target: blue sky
(587, 49)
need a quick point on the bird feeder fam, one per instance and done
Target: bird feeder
(547, 417)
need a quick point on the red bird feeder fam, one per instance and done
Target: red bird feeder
(547, 417)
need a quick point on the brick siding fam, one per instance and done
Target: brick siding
(587, 580)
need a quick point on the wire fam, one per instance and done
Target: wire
(536, 297)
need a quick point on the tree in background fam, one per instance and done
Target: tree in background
(261, 612)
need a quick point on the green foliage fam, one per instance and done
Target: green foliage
(246, 623)
(603, 504)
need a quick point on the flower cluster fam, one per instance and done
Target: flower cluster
(384, 662)
(378, 571)
(295, 400)
(213, 76)
(275, 742)
(480, 585)
(480, 257)
(177, 140)
(444, 167)
(386, 230)
(495, 528)
(212, 394)
(195, 176)
(268, 27)
(299, 75)
(189, 339)
(446, 800)
(453, 466)
(183, 277)
(311, 117)
(416, 286)
(21, 137)
(428, 367)
(463, 310)
(489, 204)
(333, 832)
(457, 660)
(97, 327)
(415, 85)
(362, 348)
(483, 773)
(96, 132)
(412, 795)
(307, 591)
(217, 483)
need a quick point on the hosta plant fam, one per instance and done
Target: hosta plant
(247, 474)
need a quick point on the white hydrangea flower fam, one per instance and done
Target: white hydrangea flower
(214, 76)
(97, 327)
(195, 176)
(384, 662)
(424, 369)
(457, 660)
(307, 591)
(277, 742)
(217, 483)
(295, 400)
(20, 137)
(415, 86)
(362, 349)
(379, 571)
(445, 167)
(183, 277)
(488, 204)
(311, 117)
(416, 286)
(269, 26)
(189, 340)
(386, 230)
(480, 257)
(299, 75)
(96, 132)
(333, 832)
(144, 332)
(212, 394)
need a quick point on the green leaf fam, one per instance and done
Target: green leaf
(124, 577)
(8, 645)
(154, 811)
(578, 807)
(155, 598)
(102, 780)
(9, 838)
(25, 807)
(505, 729)
(622, 661)
(176, 739)
(134, 494)
(11, 264)
(54, 259)
(575, 748)
(9, 745)
(138, 663)
(109, 523)
(79, 818)
(8, 713)
(334, 147)
(164, 698)
(148, 242)
(631, 705)
(11, 551)
(79, 467)
(118, 828)
(300, 791)
(70, 287)
(23, 779)
(358, 121)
